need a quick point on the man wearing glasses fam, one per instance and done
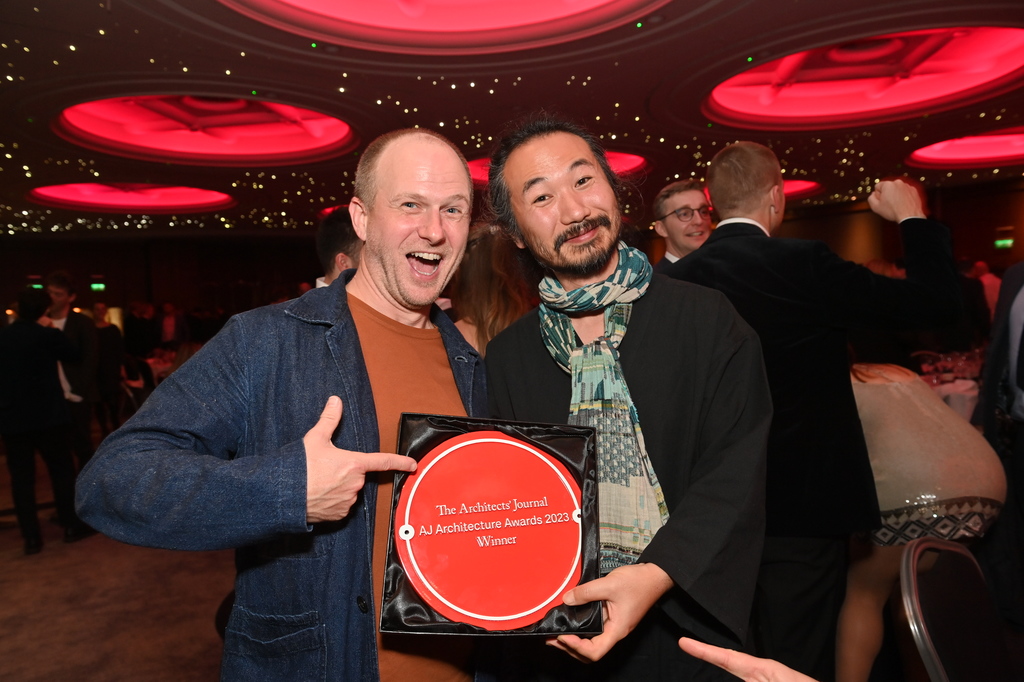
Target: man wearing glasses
(685, 219)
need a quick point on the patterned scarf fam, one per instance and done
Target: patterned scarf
(632, 506)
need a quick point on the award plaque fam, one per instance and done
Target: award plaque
(497, 523)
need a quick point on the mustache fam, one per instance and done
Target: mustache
(581, 227)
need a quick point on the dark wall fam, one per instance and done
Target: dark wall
(240, 271)
(977, 216)
(234, 273)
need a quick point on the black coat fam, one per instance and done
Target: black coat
(1001, 551)
(994, 393)
(801, 298)
(81, 374)
(695, 373)
(31, 397)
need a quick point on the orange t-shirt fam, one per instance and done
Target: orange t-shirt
(409, 372)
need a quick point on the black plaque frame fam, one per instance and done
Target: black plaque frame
(404, 610)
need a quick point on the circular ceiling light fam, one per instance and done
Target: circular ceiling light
(622, 164)
(798, 189)
(999, 148)
(445, 27)
(125, 197)
(872, 80)
(324, 212)
(206, 131)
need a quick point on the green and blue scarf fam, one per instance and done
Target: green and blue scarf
(631, 503)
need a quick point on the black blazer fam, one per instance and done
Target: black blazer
(800, 298)
(695, 374)
(994, 392)
(31, 397)
(81, 375)
(664, 264)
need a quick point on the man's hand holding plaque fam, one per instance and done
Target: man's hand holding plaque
(627, 593)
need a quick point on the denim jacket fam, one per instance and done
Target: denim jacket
(214, 459)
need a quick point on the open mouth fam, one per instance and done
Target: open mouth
(424, 263)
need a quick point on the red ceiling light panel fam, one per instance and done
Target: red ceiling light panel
(999, 148)
(621, 163)
(117, 197)
(798, 189)
(209, 131)
(872, 80)
(444, 26)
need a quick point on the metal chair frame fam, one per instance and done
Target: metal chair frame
(909, 588)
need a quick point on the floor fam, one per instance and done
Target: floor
(101, 611)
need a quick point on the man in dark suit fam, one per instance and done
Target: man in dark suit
(337, 245)
(800, 298)
(35, 416)
(1001, 410)
(685, 219)
(78, 378)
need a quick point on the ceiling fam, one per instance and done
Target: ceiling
(636, 72)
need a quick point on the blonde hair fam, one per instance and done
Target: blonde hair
(740, 175)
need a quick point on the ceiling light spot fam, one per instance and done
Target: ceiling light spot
(445, 28)
(122, 197)
(872, 80)
(215, 131)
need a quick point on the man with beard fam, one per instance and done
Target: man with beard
(679, 401)
(237, 450)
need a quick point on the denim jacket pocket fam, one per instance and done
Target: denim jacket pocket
(264, 647)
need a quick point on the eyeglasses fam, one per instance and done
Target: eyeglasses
(685, 213)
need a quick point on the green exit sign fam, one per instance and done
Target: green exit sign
(98, 286)
(1004, 243)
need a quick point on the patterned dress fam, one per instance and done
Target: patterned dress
(934, 473)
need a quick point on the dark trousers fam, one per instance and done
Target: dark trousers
(1001, 552)
(21, 462)
(800, 589)
(108, 410)
(81, 431)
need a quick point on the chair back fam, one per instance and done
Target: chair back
(954, 623)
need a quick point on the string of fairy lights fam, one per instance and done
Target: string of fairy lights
(290, 198)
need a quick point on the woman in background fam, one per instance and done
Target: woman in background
(934, 475)
(487, 292)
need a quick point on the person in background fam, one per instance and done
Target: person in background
(801, 298)
(935, 476)
(990, 282)
(685, 219)
(141, 330)
(1000, 412)
(487, 292)
(35, 416)
(173, 327)
(337, 245)
(79, 377)
(109, 370)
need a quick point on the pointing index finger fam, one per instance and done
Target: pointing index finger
(383, 461)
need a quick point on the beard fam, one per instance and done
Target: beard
(584, 259)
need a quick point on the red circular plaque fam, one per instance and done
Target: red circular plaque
(488, 530)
